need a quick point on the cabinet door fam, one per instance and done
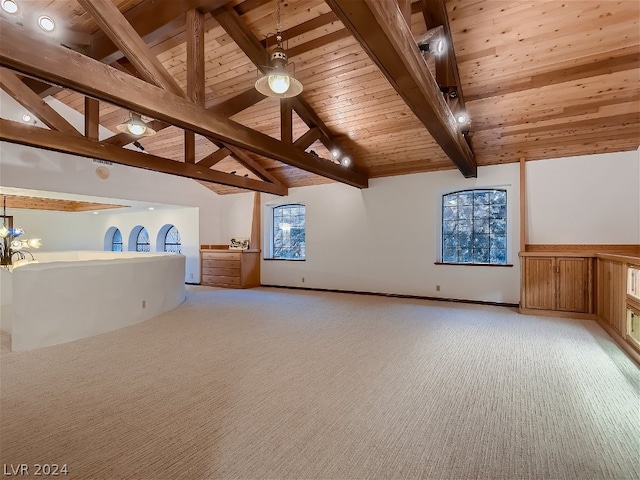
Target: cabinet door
(618, 294)
(573, 279)
(604, 286)
(612, 294)
(539, 288)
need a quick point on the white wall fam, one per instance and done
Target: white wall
(184, 219)
(63, 231)
(385, 238)
(32, 168)
(236, 213)
(591, 199)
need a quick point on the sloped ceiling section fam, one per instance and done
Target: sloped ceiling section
(538, 79)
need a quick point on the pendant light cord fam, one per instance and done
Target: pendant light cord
(278, 35)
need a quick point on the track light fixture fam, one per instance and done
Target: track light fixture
(436, 47)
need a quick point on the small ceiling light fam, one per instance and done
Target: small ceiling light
(9, 6)
(95, 213)
(151, 208)
(277, 82)
(462, 118)
(437, 47)
(346, 161)
(335, 153)
(135, 126)
(26, 118)
(46, 23)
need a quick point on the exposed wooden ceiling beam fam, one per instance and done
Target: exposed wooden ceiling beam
(78, 145)
(215, 157)
(72, 70)
(308, 138)
(121, 33)
(252, 165)
(195, 74)
(380, 28)
(91, 118)
(447, 75)
(151, 21)
(30, 100)
(286, 120)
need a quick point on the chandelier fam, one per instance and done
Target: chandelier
(11, 244)
(277, 81)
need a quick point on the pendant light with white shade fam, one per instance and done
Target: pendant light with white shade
(277, 81)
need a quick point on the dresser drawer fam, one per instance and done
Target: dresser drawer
(231, 264)
(225, 272)
(220, 280)
(222, 255)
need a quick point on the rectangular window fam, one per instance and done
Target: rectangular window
(474, 227)
(288, 232)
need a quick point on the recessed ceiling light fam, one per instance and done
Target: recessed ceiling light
(9, 6)
(346, 161)
(335, 152)
(151, 208)
(46, 23)
(95, 213)
(27, 118)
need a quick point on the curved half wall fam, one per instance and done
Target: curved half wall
(59, 302)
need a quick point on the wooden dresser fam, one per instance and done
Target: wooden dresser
(230, 268)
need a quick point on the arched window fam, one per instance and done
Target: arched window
(113, 240)
(172, 241)
(288, 232)
(142, 241)
(116, 241)
(474, 227)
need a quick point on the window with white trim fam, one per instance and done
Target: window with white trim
(288, 233)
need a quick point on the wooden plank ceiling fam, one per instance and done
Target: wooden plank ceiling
(55, 204)
(540, 79)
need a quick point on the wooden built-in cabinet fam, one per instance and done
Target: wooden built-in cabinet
(619, 300)
(552, 284)
(230, 268)
(598, 286)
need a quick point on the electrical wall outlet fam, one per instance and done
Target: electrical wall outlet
(437, 288)
(192, 276)
(302, 279)
(144, 304)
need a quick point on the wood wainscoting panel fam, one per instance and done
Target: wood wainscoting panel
(587, 249)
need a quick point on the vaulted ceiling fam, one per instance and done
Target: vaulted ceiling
(539, 79)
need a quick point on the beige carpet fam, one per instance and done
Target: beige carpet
(282, 384)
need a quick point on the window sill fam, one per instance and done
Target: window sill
(475, 264)
(286, 259)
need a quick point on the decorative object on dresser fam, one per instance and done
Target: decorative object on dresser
(223, 267)
(239, 244)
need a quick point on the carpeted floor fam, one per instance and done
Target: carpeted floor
(281, 384)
